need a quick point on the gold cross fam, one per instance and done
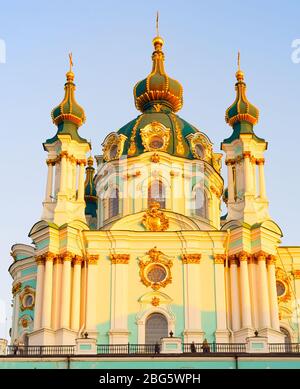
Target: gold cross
(71, 61)
(157, 20)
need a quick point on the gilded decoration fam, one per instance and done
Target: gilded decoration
(283, 279)
(27, 298)
(179, 147)
(200, 146)
(219, 259)
(155, 158)
(92, 259)
(217, 161)
(113, 146)
(155, 136)
(77, 260)
(41, 259)
(16, 288)
(154, 219)
(191, 258)
(243, 256)
(120, 259)
(155, 269)
(132, 147)
(296, 274)
(155, 301)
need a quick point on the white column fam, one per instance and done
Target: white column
(245, 291)
(90, 300)
(220, 292)
(57, 178)
(192, 292)
(235, 299)
(247, 172)
(63, 172)
(47, 297)
(230, 182)
(253, 166)
(49, 182)
(254, 292)
(262, 183)
(56, 293)
(273, 293)
(75, 318)
(39, 292)
(263, 287)
(70, 173)
(81, 182)
(66, 292)
(15, 323)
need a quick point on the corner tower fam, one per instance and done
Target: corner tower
(246, 199)
(64, 198)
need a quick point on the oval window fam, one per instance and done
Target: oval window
(113, 151)
(280, 287)
(156, 142)
(156, 273)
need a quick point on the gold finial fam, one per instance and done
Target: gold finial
(70, 74)
(157, 41)
(239, 74)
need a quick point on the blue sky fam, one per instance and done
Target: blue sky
(111, 45)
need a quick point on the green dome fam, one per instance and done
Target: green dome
(158, 88)
(69, 110)
(178, 145)
(241, 110)
(90, 194)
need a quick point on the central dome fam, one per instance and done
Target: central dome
(158, 88)
(177, 130)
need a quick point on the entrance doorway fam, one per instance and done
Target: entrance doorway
(156, 328)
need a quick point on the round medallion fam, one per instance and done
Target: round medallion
(156, 273)
(113, 151)
(280, 287)
(156, 142)
(199, 149)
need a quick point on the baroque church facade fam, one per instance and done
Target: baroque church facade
(136, 247)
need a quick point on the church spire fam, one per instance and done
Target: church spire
(158, 89)
(241, 115)
(69, 115)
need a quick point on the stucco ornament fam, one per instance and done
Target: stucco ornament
(154, 219)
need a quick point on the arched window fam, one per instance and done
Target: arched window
(113, 207)
(201, 203)
(157, 192)
(156, 328)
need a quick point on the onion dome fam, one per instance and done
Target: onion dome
(241, 115)
(90, 194)
(158, 88)
(68, 115)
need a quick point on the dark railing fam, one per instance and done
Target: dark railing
(233, 348)
(40, 350)
(130, 348)
(284, 348)
(149, 349)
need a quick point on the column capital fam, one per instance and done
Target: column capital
(77, 260)
(120, 259)
(92, 259)
(67, 256)
(191, 258)
(50, 257)
(219, 259)
(233, 259)
(81, 162)
(40, 259)
(261, 255)
(296, 274)
(230, 161)
(16, 288)
(247, 154)
(260, 161)
(64, 154)
(58, 260)
(243, 256)
(271, 260)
